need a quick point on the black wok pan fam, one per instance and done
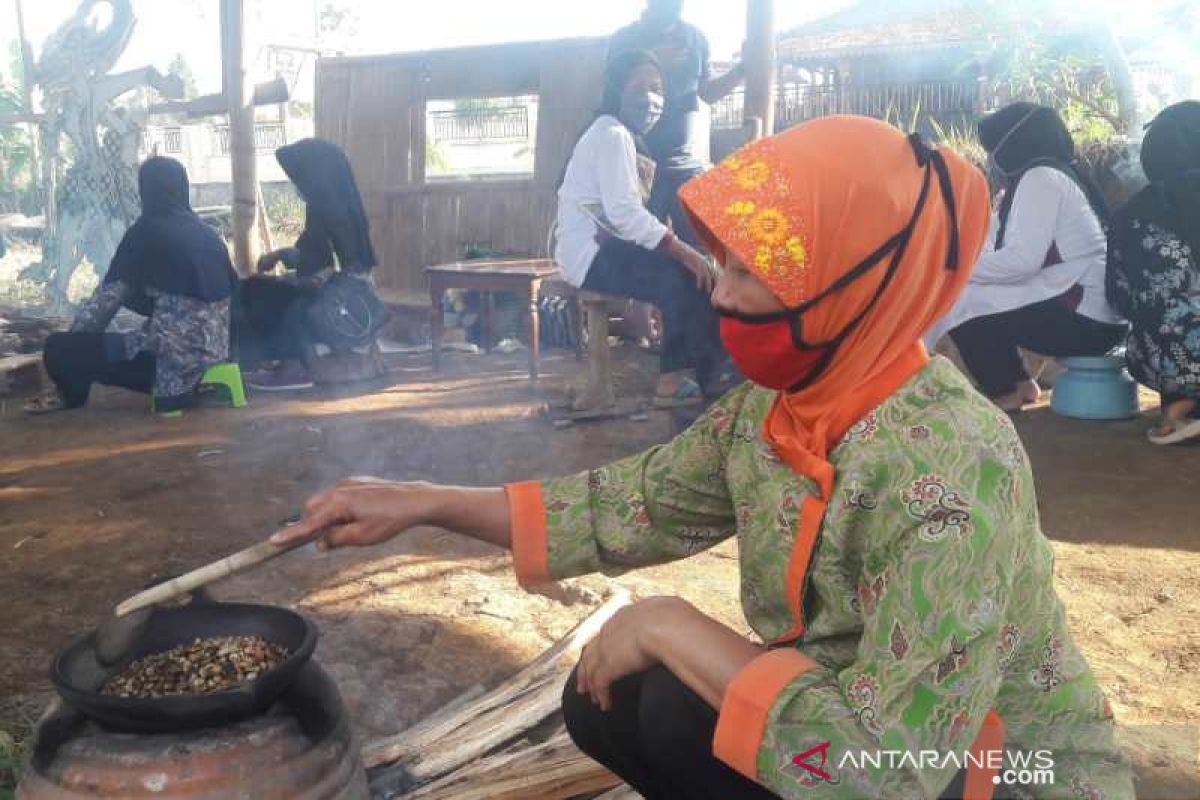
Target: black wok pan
(78, 676)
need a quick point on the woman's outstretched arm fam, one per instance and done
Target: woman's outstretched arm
(368, 511)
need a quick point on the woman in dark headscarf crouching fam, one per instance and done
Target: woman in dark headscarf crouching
(1039, 284)
(1154, 271)
(171, 268)
(329, 300)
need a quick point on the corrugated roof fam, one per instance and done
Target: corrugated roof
(908, 25)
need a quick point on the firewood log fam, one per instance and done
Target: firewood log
(470, 727)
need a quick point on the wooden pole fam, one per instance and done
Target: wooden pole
(27, 90)
(759, 59)
(241, 136)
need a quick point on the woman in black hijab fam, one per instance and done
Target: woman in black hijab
(1039, 284)
(335, 221)
(171, 268)
(607, 241)
(285, 318)
(1154, 271)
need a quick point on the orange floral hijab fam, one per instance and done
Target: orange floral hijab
(802, 209)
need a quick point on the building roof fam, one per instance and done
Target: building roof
(897, 26)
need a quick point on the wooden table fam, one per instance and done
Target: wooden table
(519, 276)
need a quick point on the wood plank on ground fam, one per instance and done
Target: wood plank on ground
(445, 748)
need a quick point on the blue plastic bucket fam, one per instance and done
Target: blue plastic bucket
(1095, 387)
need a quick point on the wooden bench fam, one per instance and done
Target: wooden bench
(592, 311)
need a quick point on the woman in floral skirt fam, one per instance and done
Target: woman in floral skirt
(1154, 271)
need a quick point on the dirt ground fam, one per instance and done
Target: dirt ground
(95, 503)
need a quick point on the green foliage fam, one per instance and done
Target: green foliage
(17, 184)
(895, 116)
(16, 64)
(285, 210)
(12, 756)
(180, 67)
(435, 157)
(1032, 65)
(963, 140)
(337, 22)
(467, 105)
(300, 109)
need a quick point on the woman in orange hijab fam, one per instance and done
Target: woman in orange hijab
(908, 639)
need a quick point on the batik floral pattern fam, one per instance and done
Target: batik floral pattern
(1154, 279)
(864, 697)
(185, 335)
(752, 204)
(863, 431)
(941, 510)
(924, 610)
(1010, 637)
(1048, 675)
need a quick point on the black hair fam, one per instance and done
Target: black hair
(1171, 160)
(1022, 136)
(617, 72)
(1171, 146)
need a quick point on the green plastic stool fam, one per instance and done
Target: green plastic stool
(227, 375)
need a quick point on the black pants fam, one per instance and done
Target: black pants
(658, 739)
(270, 322)
(691, 328)
(75, 361)
(664, 200)
(988, 345)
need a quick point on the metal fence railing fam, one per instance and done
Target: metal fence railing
(501, 123)
(268, 137)
(172, 141)
(164, 141)
(900, 102)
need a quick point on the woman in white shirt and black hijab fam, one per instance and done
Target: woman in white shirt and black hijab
(607, 240)
(1040, 283)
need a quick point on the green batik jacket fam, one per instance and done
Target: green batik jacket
(929, 600)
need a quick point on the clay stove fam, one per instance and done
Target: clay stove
(301, 748)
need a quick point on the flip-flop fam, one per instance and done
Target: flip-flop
(1180, 430)
(46, 404)
(688, 394)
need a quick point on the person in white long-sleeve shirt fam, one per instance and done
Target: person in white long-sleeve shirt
(1040, 283)
(607, 240)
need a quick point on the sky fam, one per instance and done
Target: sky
(191, 27)
(167, 28)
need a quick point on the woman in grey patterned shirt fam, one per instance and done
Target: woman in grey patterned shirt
(172, 269)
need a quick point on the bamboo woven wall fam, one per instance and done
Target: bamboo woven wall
(374, 107)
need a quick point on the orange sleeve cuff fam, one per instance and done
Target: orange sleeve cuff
(527, 518)
(980, 780)
(747, 704)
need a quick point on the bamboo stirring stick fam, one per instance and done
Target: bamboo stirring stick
(168, 590)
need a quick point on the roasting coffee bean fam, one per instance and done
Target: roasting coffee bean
(203, 667)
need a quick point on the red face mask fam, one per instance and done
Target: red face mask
(766, 354)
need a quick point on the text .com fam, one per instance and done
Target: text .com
(1011, 767)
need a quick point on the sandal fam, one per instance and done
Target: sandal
(1026, 394)
(1174, 431)
(688, 394)
(45, 404)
